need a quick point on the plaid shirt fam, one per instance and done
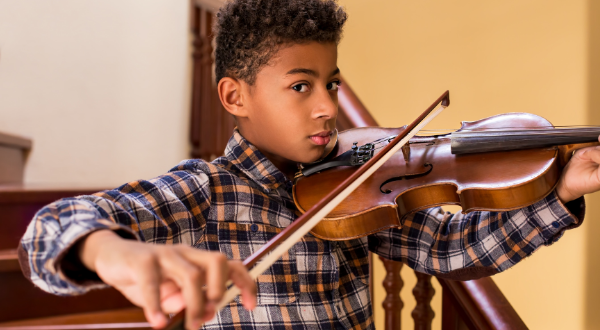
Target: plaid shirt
(238, 202)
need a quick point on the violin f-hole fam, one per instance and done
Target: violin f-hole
(406, 177)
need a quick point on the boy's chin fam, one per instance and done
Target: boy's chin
(313, 157)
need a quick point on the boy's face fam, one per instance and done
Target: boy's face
(292, 107)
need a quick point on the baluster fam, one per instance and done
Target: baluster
(208, 118)
(196, 112)
(423, 292)
(393, 284)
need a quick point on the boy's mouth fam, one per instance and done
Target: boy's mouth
(321, 138)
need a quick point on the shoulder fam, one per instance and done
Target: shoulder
(219, 172)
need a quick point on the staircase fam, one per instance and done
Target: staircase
(23, 304)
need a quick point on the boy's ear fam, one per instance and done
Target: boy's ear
(230, 93)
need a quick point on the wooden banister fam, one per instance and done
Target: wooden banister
(9, 261)
(480, 304)
(352, 112)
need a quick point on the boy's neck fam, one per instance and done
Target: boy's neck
(286, 166)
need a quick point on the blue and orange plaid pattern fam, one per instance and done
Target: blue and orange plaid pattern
(238, 202)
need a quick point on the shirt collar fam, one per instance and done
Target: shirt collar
(248, 159)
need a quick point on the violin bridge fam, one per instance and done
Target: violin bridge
(406, 152)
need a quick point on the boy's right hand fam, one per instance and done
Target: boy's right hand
(166, 278)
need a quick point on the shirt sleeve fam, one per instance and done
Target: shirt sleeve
(477, 244)
(171, 208)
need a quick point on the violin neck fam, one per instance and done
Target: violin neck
(469, 142)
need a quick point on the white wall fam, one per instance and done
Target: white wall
(101, 86)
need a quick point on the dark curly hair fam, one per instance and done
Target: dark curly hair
(249, 32)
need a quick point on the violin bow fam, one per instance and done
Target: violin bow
(283, 241)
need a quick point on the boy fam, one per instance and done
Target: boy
(276, 67)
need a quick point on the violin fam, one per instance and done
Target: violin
(372, 177)
(501, 163)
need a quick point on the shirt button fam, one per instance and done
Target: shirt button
(254, 227)
(555, 224)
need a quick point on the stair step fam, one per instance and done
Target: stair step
(128, 318)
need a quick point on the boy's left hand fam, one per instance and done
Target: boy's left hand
(581, 175)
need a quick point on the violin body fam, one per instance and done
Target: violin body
(429, 175)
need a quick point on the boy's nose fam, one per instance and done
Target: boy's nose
(327, 106)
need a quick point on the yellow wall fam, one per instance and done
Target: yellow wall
(494, 57)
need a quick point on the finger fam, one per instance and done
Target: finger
(149, 280)
(588, 154)
(216, 270)
(190, 279)
(594, 154)
(241, 278)
(171, 298)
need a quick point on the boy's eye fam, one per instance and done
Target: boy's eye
(302, 88)
(333, 86)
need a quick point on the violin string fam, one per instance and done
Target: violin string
(531, 134)
(524, 129)
(554, 132)
(516, 129)
(516, 138)
(511, 127)
(561, 132)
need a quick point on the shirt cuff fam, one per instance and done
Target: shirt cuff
(68, 265)
(554, 217)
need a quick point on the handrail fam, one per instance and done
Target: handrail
(353, 112)
(9, 261)
(482, 303)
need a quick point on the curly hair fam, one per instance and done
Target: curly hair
(249, 32)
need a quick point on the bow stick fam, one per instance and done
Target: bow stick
(281, 243)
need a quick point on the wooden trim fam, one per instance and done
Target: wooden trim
(9, 261)
(15, 141)
(210, 5)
